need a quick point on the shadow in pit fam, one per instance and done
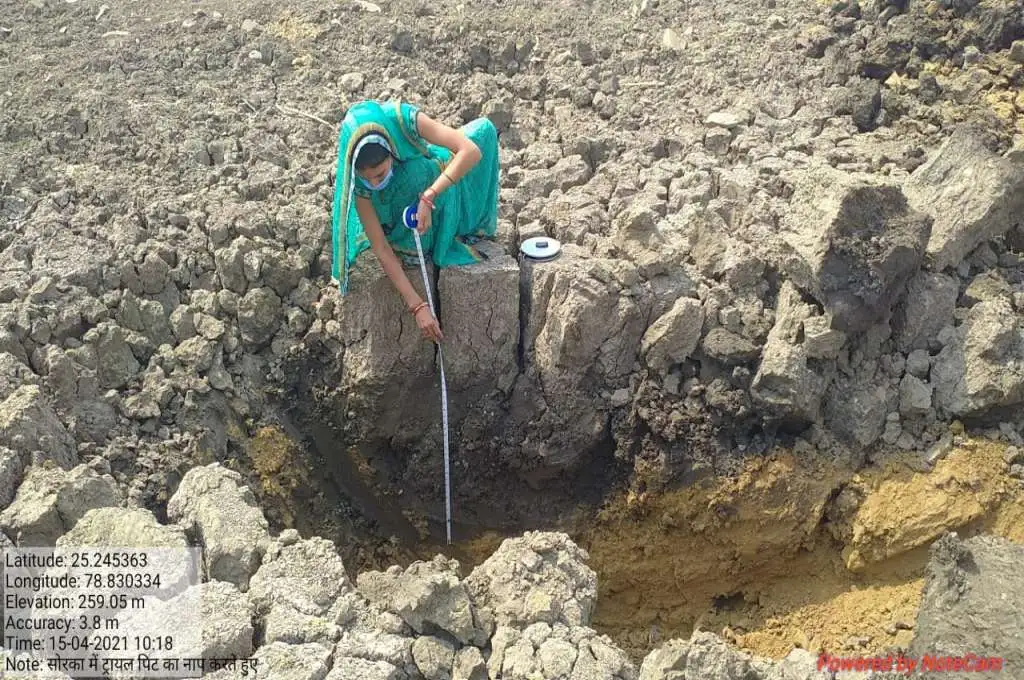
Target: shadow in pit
(387, 522)
(500, 502)
(342, 467)
(342, 470)
(506, 508)
(341, 473)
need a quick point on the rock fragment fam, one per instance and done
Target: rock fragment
(853, 243)
(214, 503)
(550, 582)
(971, 193)
(427, 595)
(30, 427)
(51, 500)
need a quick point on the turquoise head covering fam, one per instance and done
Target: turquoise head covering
(383, 143)
(365, 122)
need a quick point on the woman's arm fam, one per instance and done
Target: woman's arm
(466, 153)
(382, 249)
(393, 268)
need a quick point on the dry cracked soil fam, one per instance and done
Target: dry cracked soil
(166, 172)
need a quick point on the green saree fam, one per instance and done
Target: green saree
(463, 212)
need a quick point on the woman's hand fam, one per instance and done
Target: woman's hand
(428, 324)
(424, 215)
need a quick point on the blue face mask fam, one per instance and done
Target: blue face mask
(383, 183)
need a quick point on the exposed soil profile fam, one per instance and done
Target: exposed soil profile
(792, 552)
(762, 559)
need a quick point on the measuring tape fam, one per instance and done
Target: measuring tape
(409, 219)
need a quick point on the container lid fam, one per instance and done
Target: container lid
(540, 248)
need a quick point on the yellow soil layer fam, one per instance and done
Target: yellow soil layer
(748, 557)
(293, 29)
(903, 509)
(1001, 97)
(277, 460)
(772, 559)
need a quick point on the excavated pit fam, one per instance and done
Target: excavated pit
(794, 551)
(352, 493)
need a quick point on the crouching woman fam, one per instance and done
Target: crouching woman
(392, 156)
